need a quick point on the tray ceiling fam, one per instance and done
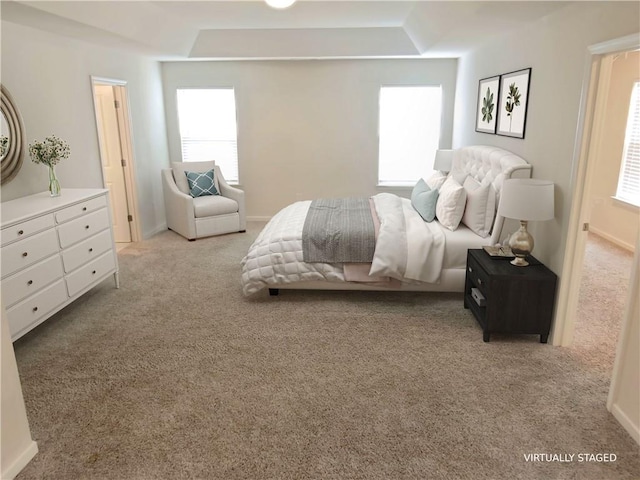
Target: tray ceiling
(248, 29)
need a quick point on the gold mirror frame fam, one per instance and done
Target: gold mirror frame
(12, 160)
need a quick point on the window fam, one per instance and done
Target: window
(629, 180)
(208, 129)
(409, 132)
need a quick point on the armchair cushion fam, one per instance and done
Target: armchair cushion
(214, 205)
(201, 184)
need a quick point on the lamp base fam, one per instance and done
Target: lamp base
(519, 262)
(521, 243)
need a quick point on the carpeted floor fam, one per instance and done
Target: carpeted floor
(176, 375)
(603, 296)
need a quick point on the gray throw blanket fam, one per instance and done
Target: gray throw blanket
(338, 231)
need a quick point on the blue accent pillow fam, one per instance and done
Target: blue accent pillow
(424, 200)
(201, 183)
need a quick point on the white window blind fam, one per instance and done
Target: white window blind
(409, 132)
(208, 128)
(629, 180)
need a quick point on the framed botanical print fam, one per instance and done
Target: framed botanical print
(513, 102)
(488, 92)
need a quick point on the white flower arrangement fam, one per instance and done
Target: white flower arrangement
(50, 151)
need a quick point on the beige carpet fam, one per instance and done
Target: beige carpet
(176, 375)
(603, 296)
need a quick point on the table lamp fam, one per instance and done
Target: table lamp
(525, 199)
(443, 160)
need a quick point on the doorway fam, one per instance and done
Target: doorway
(116, 155)
(599, 59)
(623, 397)
(613, 224)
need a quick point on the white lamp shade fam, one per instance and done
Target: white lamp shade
(280, 3)
(527, 199)
(443, 160)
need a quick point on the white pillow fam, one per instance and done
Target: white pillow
(451, 202)
(436, 180)
(459, 176)
(480, 208)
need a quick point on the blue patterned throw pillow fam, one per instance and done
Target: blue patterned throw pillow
(201, 183)
(424, 200)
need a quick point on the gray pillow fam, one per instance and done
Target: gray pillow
(424, 200)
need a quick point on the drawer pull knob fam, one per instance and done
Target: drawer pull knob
(86, 226)
(93, 273)
(35, 309)
(479, 282)
(84, 209)
(24, 254)
(90, 250)
(470, 269)
(30, 282)
(20, 232)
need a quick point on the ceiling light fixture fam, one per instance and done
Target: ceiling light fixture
(280, 4)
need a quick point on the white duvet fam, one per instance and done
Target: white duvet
(407, 248)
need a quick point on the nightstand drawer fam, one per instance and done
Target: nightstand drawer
(477, 275)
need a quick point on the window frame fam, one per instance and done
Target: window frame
(631, 137)
(229, 178)
(389, 185)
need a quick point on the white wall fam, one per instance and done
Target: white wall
(49, 78)
(614, 220)
(624, 395)
(307, 129)
(17, 447)
(556, 49)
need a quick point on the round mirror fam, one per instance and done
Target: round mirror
(11, 137)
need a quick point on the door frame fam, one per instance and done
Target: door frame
(126, 144)
(592, 102)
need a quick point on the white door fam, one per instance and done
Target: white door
(112, 158)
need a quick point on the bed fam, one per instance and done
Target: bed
(412, 250)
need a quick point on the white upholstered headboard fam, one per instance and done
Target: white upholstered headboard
(494, 165)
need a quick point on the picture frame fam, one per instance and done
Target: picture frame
(513, 103)
(487, 111)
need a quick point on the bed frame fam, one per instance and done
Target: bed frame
(481, 162)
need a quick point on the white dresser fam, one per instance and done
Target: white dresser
(53, 249)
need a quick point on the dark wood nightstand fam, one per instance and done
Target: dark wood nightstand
(516, 299)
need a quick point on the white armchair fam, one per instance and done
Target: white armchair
(206, 215)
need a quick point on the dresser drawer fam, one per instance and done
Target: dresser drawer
(83, 227)
(477, 275)
(86, 251)
(89, 273)
(23, 315)
(26, 252)
(25, 229)
(27, 282)
(80, 209)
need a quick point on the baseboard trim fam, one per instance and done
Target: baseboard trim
(16, 467)
(611, 238)
(157, 230)
(625, 421)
